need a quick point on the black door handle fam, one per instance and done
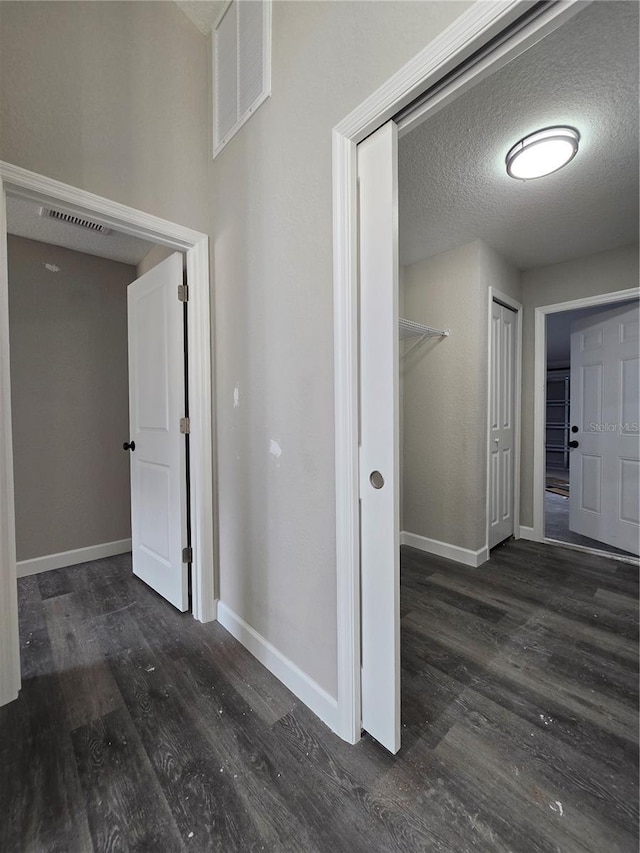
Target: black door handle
(129, 445)
(574, 444)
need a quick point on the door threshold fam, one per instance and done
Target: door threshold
(621, 558)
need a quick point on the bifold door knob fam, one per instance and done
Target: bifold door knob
(574, 444)
(129, 445)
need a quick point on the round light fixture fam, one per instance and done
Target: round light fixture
(542, 152)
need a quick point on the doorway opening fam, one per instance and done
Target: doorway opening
(22, 187)
(562, 521)
(455, 275)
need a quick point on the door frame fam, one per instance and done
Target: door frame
(536, 533)
(496, 295)
(472, 37)
(20, 182)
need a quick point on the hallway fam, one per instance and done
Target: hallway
(138, 728)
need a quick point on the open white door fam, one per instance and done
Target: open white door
(605, 460)
(157, 446)
(502, 432)
(379, 436)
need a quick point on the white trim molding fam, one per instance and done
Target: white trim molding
(298, 682)
(39, 188)
(540, 391)
(9, 639)
(72, 558)
(528, 533)
(444, 549)
(470, 32)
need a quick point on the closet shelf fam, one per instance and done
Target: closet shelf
(417, 332)
(409, 329)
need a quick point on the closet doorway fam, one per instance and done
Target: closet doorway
(473, 230)
(505, 348)
(587, 423)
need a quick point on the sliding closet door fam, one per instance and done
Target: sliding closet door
(379, 438)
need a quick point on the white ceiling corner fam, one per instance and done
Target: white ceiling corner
(202, 13)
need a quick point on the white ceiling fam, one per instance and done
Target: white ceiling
(202, 13)
(453, 184)
(24, 220)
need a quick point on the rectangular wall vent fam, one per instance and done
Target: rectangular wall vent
(241, 66)
(71, 219)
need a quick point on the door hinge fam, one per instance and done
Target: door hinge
(185, 426)
(187, 554)
(183, 292)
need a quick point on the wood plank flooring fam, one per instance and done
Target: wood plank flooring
(138, 729)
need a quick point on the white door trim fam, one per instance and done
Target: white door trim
(540, 394)
(504, 299)
(26, 184)
(468, 33)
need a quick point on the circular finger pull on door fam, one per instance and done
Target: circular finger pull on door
(376, 479)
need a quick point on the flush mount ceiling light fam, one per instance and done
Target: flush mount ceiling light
(542, 152)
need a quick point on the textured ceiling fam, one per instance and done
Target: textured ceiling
(202, 13)
(453, 184)
(23, 220)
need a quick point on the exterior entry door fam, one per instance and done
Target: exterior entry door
(502, 415)
(379, 436)
(604, 459)
(157, 445)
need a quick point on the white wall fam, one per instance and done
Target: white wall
(603, 272)
(446, 393)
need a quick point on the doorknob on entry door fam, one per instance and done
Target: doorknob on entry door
(574, 444)
(129, 445)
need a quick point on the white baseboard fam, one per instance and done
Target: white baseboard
(72, 558)
(528, 533)
(444, 549)
(298, 682)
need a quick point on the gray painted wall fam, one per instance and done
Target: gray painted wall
(603, 272)
(152, 259)
(445, 387)
(70, 408)
(117, 101)
(272, 227)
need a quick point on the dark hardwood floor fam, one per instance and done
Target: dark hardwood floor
(138, 729)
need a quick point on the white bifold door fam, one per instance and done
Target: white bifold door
(157, 445)
(502, 415)
(604, 460)
(379, 436)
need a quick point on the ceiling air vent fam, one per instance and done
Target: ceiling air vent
(70, 219)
